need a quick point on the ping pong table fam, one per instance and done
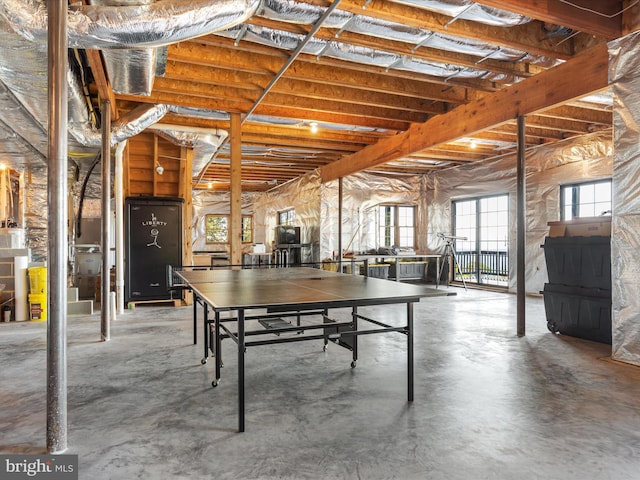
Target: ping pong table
(271, 296)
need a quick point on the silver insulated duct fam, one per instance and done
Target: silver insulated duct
(145, 27)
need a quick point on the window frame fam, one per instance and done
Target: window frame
(245, 218)
(574, 190)
(393, 230)
(288, 215)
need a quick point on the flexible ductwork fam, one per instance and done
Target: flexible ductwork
(158, 24)
(468, 10)
(205, 143)
(23, 67)
(298, 12)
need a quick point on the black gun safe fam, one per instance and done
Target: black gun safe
(153, 240)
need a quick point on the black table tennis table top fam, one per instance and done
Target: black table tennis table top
(299, 287)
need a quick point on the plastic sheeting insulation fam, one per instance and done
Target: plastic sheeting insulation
(624, 74)
(155, 25)
(467, 10)
(23, 57)
(369, 56)
(304, 195)
(548, 167)
(218, 203)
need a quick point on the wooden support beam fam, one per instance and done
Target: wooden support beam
(102, 81)
(596, 17)
(185, 191)
(583, 75)
(236, 189)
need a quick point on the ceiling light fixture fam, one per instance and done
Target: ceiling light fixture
(313, 127)
(473, 144)
(159, 168)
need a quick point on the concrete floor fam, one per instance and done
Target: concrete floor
(488, 405)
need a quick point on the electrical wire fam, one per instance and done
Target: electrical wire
(82, 194)
(567, 2)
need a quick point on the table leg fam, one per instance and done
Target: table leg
(205, 316)
(410, 351)
(241, 370)
(354, 357)
(218, 345)
(437, 272)
(195, 320)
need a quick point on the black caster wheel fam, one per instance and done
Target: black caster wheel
(552, 327)
(353, 364)
(324, 348)
(214, 384)
(203, 361)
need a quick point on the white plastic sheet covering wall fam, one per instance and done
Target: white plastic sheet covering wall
(363, 193)
(624, 74)
(36, 208)
(571, 161)
(548, 167)
(302, 194)
(207, 202)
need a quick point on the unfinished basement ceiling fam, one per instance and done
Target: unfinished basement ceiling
(373, 75)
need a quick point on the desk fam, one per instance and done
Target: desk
(367, 258)
(302, 293)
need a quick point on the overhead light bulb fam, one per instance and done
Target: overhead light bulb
(160, 169)
(210, 185)
(473, 144)
(314, 127)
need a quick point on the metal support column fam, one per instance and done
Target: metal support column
(119, 196)
(410, 367)
(105, 305)
(57, 227)
(521, 227)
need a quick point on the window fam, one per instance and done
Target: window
(286, 217)
(585, 199)
(397, 226)
(217, 229)
(483, 257)
(247, 229)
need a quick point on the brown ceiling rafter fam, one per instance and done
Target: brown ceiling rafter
(101, 79)
(595, 16)
(319, 144)
(302, 133)
(584, 74)
(310, 74)
(405, 49)
(527, 38)
(577, 114)
(306, 89)
(190, 95)
(328, 70)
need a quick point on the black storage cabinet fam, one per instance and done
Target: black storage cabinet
(577, 299)
(153, 240)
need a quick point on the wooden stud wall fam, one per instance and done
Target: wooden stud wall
(143, 154)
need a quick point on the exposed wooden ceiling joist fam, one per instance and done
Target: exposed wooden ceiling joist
(545, 90)
(596, 17)
(392, 117)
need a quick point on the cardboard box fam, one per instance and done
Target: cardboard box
(581, 227)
